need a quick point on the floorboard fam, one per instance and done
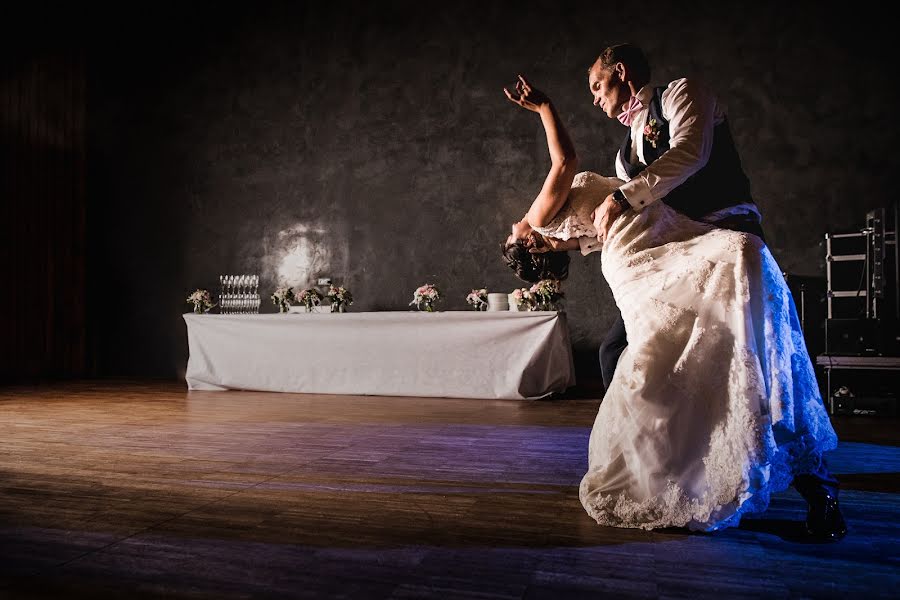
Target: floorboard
(141, 489)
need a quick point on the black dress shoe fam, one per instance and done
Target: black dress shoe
(824, 519)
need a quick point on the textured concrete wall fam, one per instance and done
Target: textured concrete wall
(371, 142)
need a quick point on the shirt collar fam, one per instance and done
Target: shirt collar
(645, 95)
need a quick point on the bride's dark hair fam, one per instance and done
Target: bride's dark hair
(533, 267)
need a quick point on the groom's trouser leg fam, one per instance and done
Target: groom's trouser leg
(816, 482)
(613, 344)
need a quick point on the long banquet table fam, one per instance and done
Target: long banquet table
(451, 354)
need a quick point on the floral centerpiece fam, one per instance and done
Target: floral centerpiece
(547, 294)
(201, 300)
(523, 299)
(310, 297)
(425, 297)
(282, 298)
(339, 297)
(478, 299)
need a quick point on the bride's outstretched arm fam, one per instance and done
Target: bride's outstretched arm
(563, 159)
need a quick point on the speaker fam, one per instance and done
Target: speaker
(845, 404)
(855, 337)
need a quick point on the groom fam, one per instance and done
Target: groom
(679, 150)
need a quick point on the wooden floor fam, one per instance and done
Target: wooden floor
(132, 490)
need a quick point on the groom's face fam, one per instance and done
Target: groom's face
(606, 88)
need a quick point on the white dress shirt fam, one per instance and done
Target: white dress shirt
(693, 113)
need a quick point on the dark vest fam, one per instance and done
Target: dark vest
(719, 184)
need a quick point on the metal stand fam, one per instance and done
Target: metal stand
(867, 363)
(877, 243)
(861, 325)
(831, 258)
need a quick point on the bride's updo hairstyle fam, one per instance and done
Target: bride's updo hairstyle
(533, 267)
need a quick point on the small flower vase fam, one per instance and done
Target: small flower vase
(337, 307)
(309, 307)
(548, 305)
(426, 306)
(198, 309)
(283, 307)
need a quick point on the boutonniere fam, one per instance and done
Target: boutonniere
(651, 132)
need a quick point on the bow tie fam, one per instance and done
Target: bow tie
(631, 109)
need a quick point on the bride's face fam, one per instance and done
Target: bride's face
(523, 231)
(606, 87)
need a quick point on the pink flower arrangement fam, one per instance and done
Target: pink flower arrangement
(202, 301)
(425, 297)
(310, 297)
(651, 132)
(522, 297)
(282, 298)
(478, 299)
(546, 293)
(339, 297)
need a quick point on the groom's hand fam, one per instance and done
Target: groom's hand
(604, 215)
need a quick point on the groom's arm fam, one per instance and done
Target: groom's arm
(691, 112)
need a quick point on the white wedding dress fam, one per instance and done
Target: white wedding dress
(714, 405)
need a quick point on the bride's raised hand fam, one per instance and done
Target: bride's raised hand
(527, 96)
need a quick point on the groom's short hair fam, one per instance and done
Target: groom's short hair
(630, 56)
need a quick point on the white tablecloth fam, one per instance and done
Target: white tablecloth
(445, 354)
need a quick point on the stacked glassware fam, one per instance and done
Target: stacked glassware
(239, 294)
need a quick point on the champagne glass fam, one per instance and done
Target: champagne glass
(238, 296)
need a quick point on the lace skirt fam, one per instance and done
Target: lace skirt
(714, 405)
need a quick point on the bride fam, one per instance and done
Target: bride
(714, 404)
